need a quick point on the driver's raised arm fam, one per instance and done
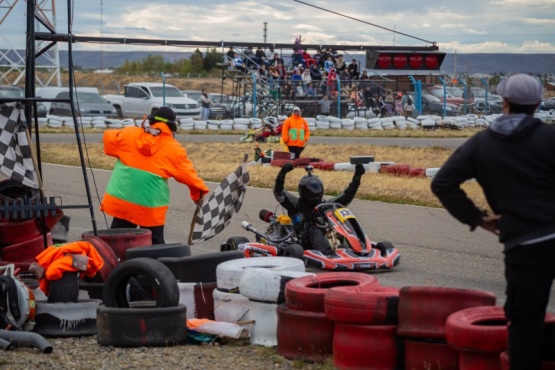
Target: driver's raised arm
(347, 195)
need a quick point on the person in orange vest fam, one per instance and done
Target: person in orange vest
(138, 193)
(295, 132)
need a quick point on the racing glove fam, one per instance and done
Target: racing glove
(359, 171)
(280, 179)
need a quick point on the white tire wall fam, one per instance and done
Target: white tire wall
(265, 285)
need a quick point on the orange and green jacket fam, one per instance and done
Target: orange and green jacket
(295, 131)
(138, 189)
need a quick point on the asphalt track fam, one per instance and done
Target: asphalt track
(436, 250)
(389, 141)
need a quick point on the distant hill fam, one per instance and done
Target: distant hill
(466, 63)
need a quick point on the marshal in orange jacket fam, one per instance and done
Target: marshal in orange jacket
(295, 131)
(138, 189)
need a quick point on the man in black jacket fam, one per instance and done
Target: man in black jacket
(311, 192)
(513, 160)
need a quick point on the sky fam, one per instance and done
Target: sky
(467, 26)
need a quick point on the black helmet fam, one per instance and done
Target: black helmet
(311, 189)
(166, 115)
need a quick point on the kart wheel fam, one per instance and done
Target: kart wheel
(293, 250)
(478, 329)
(383, 246)
(232, 243)
(423, 310)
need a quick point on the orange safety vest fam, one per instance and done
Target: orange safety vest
(295, 131)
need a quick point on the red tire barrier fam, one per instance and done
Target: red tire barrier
(373, 305)
(327, 166)
(366, 347)
(478, 329)
(430, 355)
(121, 240)
(14, 231)
(317, 165)
(307, 293)
(303, 335)
(108, 256)
(280, 162)
(301, 162)
(417, 172)
(403, 170)
(25, 251)
(423, 310)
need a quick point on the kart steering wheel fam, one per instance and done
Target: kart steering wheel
(318, 214)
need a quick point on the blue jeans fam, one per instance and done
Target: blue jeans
(204, 113)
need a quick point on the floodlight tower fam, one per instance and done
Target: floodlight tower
(12, 60)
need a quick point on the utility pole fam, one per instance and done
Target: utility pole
(101, 35)
(265, 31)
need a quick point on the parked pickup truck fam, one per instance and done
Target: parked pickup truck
(141, 99)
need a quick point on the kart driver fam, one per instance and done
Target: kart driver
(300, 209)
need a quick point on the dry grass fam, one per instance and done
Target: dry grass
(214, 161)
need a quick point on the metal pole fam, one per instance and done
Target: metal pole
(163, 88)
(444, 98)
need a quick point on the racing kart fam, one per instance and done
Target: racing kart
(352, 249)
(256, 135)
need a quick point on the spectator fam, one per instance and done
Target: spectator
(297, 52)
(353, 70)
(340, 63)
(205, 102)
(281, 70)
(288, 90)
(249, 57)
(324, 58)
(325, 104)
(237, 63)
(328, 64)
(260, 57)
(230, 54)
(310, 92)
(331, 88)
(138, 193)
(513, 161)
(295, 133)
(262, 72)
(307, 59)
(355, 98)
(407, 104)
(317, 57)
(273, 76)
(276, 60)
(315, 73)
(306, 78)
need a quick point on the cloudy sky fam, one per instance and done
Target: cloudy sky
(467, 26)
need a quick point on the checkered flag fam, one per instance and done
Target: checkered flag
(16, 160)
(217, 211)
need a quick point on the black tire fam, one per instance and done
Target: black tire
(141, 279)
(383, 246)
(293, 250)
(200, 268)
(149, 327)
(65, 289)
(232, 243)
(159, 250)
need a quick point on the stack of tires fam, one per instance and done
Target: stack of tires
(120, 240)
(141, 307)
(196, 279)
(303, 331)
(423, 312)
(248, 291)
(365, 321)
